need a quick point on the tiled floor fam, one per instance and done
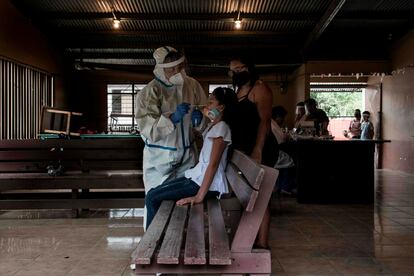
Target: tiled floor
(305, 239)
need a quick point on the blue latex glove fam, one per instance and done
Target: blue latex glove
(196, 117)
(179, 113)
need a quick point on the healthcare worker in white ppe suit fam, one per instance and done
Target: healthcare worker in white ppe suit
(166, 113)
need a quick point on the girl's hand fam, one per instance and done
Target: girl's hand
(189, 200)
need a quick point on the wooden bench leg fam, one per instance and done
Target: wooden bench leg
(85, 193)
(75, 211)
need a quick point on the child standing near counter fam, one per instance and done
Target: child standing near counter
(367, 128)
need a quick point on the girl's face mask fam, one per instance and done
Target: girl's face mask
(213, 114)
(213, 110)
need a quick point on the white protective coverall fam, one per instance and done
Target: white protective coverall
(169, 149)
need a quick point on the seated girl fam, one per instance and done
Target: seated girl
(207, 179)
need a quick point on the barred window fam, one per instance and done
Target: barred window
(121, 106)
(24, 90)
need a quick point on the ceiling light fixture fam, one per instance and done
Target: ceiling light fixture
(237, 24)
(116, 23)
(116, 20)
(238, 21)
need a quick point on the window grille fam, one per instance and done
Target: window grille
(24, 90)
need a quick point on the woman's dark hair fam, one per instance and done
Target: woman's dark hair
(254, 76)
(278, 111)
(300, 104)
(228, 98)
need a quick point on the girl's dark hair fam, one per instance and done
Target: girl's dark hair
(228, 98)
(254, 76)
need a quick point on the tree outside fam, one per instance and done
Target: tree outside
(339, 104)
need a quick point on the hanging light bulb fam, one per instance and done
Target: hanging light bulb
(237, 24)
(237, 21)
(117, 22)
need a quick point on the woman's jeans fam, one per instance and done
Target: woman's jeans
(171, 190)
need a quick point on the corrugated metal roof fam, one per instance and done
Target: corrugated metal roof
(185, 25)
(179, 6)
(122, 61)
(206, 26)
(377, 5)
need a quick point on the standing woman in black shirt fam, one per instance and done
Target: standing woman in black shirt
(252, 133)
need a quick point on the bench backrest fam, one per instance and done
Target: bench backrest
(252, 184)
(28, 156)
(245, 177)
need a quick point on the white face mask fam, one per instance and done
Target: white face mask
(306, 111)
(178, 79)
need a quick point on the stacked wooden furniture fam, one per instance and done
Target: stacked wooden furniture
(195, 240)
(103, 173)
(57, 121)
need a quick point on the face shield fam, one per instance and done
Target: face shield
(161, 67)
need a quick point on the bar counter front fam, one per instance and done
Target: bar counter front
(334, 171)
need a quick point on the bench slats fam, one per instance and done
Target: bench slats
(251, 170)
(149, 242)
(69, 165)
(72, 154)
(171, 246)
(246, 194)
(31, 144)
(218, 240)
(195, 244)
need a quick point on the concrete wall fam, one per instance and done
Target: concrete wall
(22, 42)
(398, 107)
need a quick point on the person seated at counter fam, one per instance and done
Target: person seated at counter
(317, 115)
(299, 114)
(367, 128)
(354, 130)
(285, 183)
(277, 124)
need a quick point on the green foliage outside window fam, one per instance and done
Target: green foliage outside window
(337, 104)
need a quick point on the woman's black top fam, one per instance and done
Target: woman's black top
(244, 133)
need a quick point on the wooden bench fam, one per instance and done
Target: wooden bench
(103, 173)
(196, 240)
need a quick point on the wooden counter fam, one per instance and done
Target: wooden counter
(334, 171)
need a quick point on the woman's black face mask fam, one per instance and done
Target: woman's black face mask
(241, 78)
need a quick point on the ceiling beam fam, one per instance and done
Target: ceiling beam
(180, 45)
(323, 23)
(226, 17)
(176, 16)
(122, 33)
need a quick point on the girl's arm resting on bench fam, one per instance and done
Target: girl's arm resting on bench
(216, 152)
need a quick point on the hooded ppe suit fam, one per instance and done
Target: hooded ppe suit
(169, 148)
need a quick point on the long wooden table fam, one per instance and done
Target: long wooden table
(334, 171)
